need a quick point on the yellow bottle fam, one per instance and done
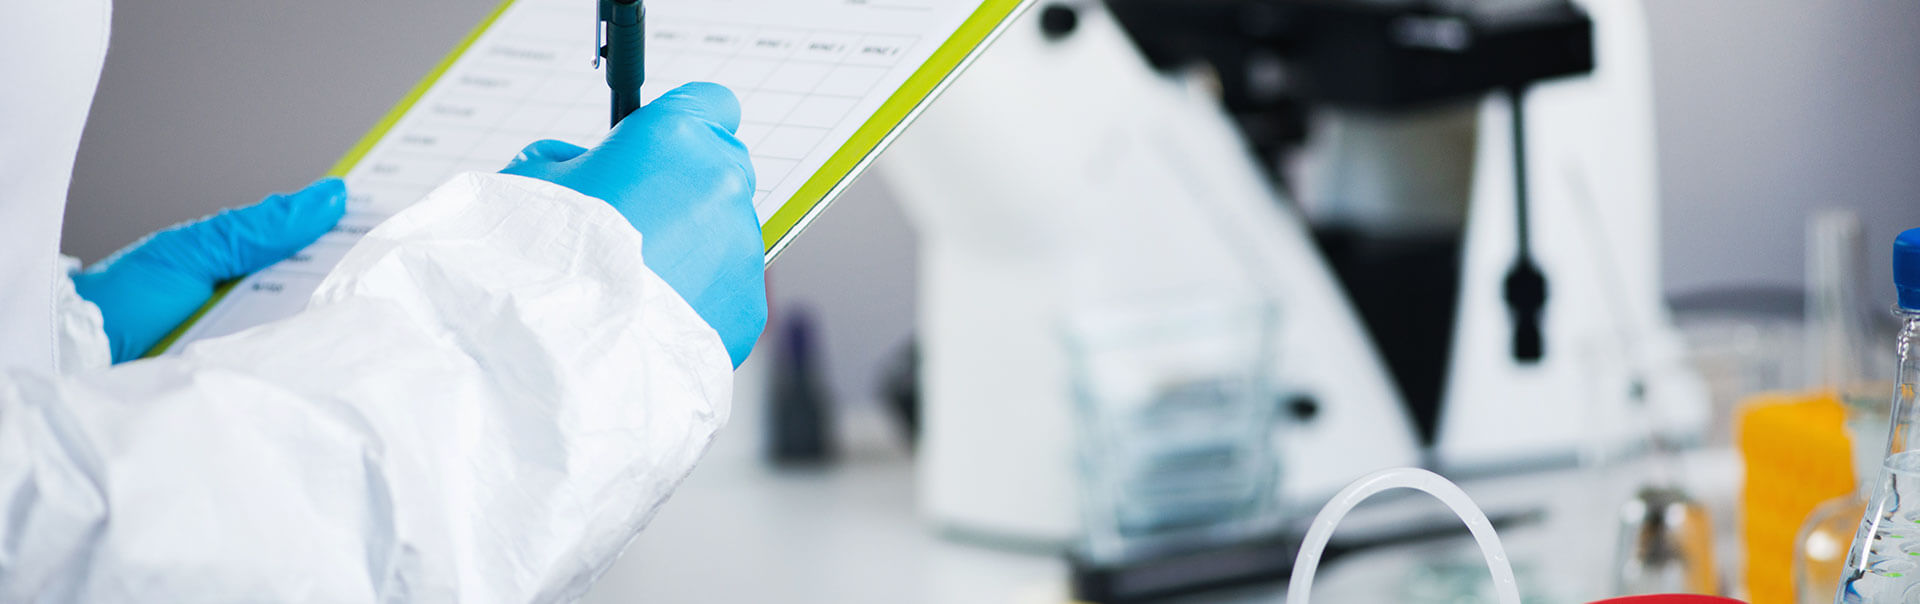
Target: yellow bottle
(1797, 455)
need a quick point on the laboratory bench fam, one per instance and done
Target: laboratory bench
(741, 530)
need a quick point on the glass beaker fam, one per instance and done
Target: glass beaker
(1174, 412)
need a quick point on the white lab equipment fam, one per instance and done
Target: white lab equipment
(1064, 174)
(1063, 170)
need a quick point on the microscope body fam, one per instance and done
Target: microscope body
(1065, 170)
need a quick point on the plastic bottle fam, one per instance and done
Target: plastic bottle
(1884, 562)
(799, 415)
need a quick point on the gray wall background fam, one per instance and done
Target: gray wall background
(1767, 110)
(1771, 109)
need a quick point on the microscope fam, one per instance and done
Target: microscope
(1453, 206)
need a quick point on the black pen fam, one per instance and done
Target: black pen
(622, 28)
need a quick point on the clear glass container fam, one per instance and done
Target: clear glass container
(1838, 343)
(1884, 563)
(1174, 409)
(1820, 548)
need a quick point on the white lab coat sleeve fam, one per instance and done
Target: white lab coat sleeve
(79, 330)
(485, 401)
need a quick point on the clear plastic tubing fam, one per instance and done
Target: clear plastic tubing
(1299, 586)
(1884, 563)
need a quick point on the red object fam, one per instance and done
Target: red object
(1670, 599)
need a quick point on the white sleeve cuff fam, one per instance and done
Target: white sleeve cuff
(79, 327)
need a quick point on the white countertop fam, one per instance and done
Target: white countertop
(739, 530)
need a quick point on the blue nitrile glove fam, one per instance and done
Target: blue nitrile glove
(676, 172)
(149, 288)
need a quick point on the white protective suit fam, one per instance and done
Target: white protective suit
(485, 402)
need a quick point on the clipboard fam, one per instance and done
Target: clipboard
(832, 164)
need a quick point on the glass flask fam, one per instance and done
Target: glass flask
(1837, 346)
(1884, 563)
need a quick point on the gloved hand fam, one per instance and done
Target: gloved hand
(676, 172)
(149, 288)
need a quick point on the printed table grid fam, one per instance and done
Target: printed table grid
(794, 87)
(531, 77)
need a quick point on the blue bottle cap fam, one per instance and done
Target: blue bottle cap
(1906, 269)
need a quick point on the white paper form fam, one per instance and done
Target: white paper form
(809, 74)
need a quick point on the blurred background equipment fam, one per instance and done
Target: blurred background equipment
(1797, 455)
(1412, 290)
(1840, 340)
(1666, 545)
(1173, 418)
(1091, 206)
(800, 428)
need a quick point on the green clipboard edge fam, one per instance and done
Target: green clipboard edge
(853, 158)
(975, 34)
